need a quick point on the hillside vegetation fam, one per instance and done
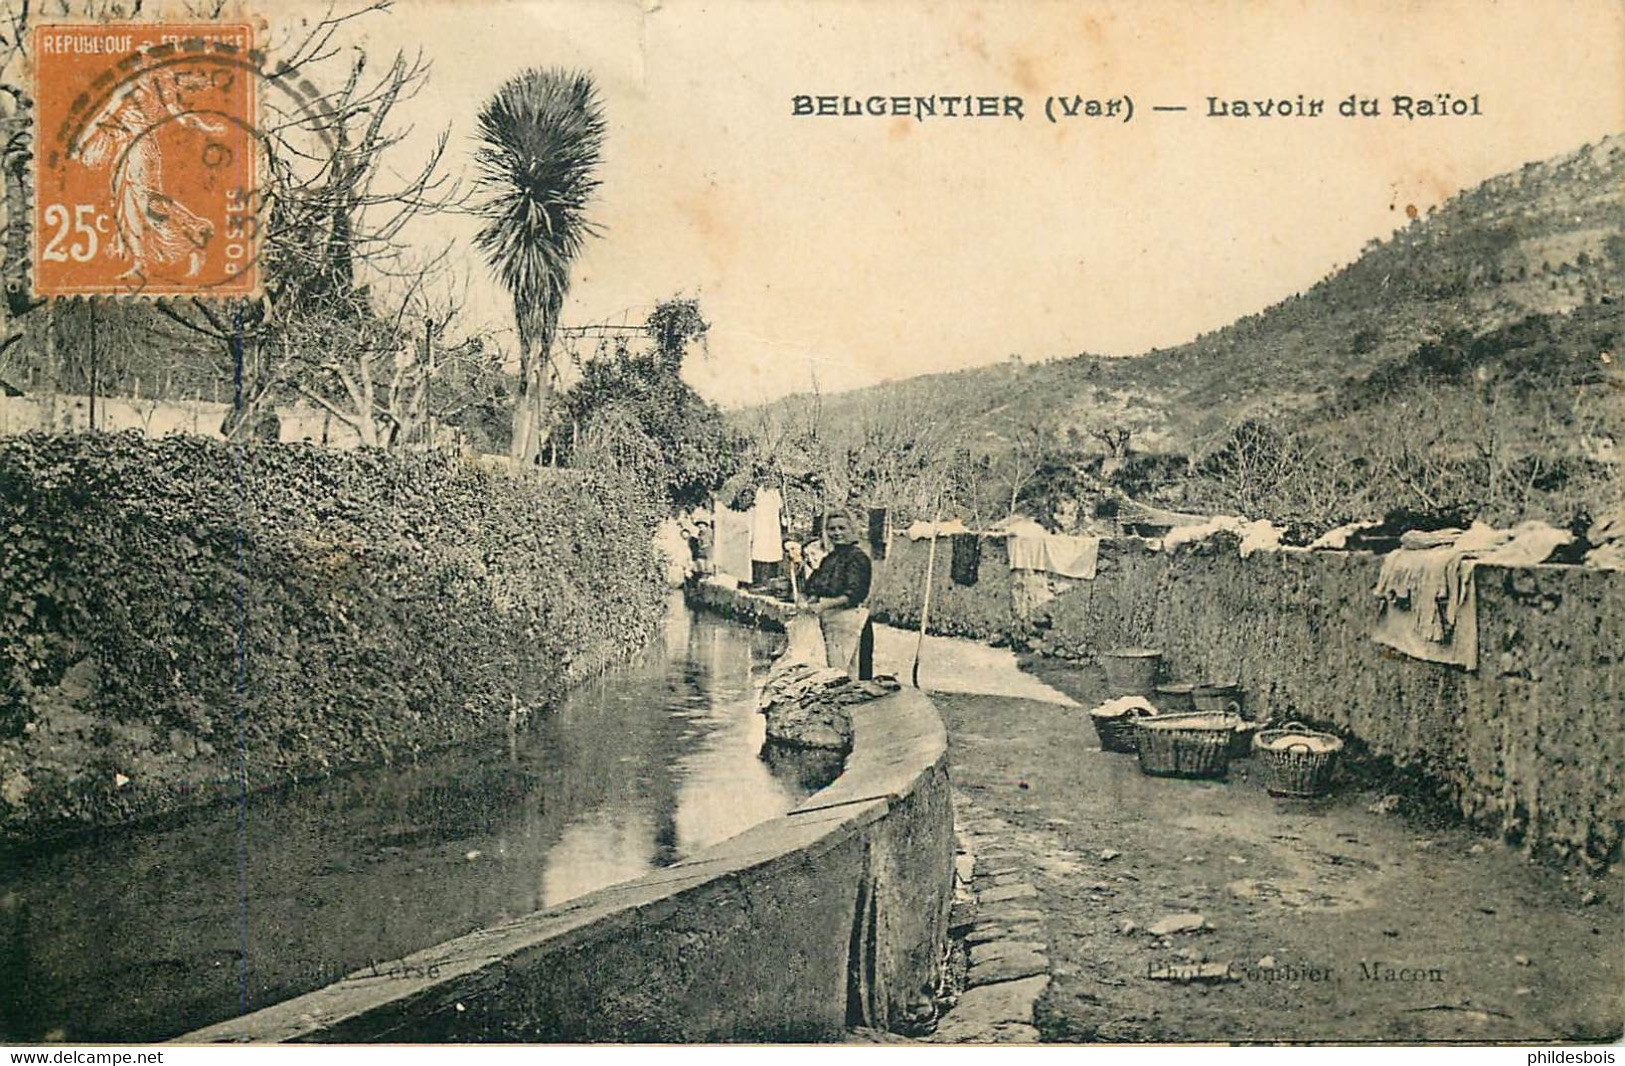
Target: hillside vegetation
(1468, 360)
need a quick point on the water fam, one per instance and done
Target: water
(140, 936)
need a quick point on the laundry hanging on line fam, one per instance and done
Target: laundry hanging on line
(766, 530)
(1053, 553)
(731, 547)
(966, 565)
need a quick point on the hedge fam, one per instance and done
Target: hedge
(183, 618)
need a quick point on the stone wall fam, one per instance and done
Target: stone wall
(52, 412)
(1529, 745)
(833, 915)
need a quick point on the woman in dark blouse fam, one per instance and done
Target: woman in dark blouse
(837, 592)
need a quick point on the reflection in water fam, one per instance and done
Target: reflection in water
(804, 770)
(604, 848)
(139, 936)
(718, 790)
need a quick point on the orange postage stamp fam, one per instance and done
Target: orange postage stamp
(147, 160)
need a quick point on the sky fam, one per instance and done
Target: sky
(842, 251)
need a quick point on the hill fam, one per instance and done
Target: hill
(1514, 283)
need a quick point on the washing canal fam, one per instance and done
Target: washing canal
(144, 935)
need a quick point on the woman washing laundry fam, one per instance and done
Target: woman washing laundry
(836, 594)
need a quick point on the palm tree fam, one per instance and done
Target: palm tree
(539, 142)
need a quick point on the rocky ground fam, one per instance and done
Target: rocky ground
(1099, 904)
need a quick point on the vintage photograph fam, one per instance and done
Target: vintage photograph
(933, 522)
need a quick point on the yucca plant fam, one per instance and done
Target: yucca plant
(540, 137)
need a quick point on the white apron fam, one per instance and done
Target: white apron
(842, 630)
(806, 642)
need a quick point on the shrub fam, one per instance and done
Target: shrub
(310, 609)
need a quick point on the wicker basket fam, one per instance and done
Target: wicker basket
(1185, 745)
(1298, 761)
(1116, 731)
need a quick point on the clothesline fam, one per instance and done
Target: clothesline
(955, 527)
(1031, 547)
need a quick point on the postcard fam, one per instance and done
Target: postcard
(809, 522)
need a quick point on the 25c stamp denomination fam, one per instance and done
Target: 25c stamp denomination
(147, 163)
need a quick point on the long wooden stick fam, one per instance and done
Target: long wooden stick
(784, 524)
(925, 597)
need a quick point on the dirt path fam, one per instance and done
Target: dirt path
(1328, 920)
(948, 664)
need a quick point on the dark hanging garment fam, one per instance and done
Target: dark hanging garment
(879, 531)
(967, 559)
(866, 652)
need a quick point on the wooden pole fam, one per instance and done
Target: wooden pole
(925, 597)
(428, 380)
(52, 372)
(784, 524)
(90, 336)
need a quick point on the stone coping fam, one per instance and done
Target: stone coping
(739, 604)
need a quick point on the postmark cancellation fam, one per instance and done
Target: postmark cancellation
(148, 159)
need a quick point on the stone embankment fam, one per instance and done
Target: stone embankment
(832, 916)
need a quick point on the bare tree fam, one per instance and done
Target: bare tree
(329, 218)
(1113, 420)
(1018, 461)
(397, 374)
(333, 223)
